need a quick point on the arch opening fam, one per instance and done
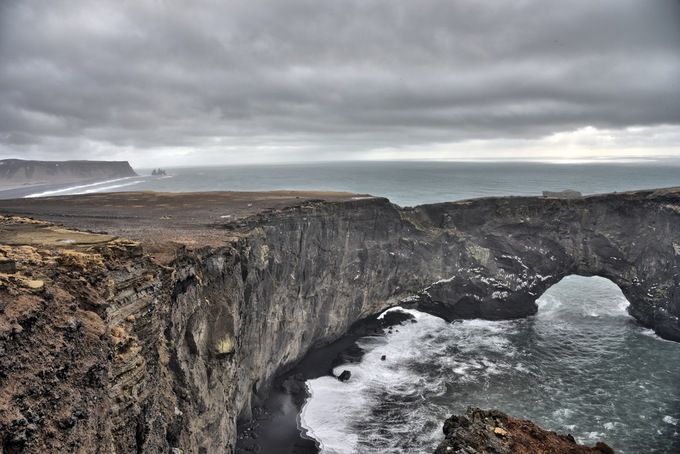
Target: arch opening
(586, 296)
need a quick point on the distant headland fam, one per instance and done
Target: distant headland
(19, 172)
(19, 178)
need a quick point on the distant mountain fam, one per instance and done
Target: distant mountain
(19, 171)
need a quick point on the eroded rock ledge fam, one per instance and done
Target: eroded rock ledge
(164, 339)
(490, 431)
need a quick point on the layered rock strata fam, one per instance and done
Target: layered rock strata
(164, 342)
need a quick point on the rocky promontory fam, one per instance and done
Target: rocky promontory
(151, 322)
(490, 431)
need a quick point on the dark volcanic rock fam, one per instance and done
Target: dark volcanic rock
(508, 251)
(480, 431)
(170, 342)
(345, 375)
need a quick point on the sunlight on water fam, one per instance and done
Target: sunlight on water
(580, 366)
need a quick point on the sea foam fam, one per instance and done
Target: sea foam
(580, 365)
(85, 188)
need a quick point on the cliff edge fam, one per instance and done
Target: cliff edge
(164, 318)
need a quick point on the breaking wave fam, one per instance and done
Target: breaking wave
(580, 366)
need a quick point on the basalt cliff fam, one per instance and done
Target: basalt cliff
(147, 322)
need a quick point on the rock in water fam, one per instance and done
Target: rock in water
(344, 376)
(482, 431)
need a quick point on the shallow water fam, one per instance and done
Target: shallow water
(581, 366)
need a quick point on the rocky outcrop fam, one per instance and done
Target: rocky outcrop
(188, 346)
(75, 373)
(481, 431)
(167, 344)
(19, 171)
(513, 249)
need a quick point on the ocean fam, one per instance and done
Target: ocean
(581, 365)
(404, 183)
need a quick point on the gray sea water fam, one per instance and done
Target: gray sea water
(405, 183)
(581, 365)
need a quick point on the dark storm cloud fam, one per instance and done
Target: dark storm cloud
(342, 75)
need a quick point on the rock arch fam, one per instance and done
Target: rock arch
(508, 251)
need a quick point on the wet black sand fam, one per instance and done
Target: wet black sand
(274, 428)
(19, 191)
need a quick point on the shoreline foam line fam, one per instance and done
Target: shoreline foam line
(106, 188)
(74, 188)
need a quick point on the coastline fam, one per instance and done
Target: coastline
(18, 191)
(275, 427)
(231, 249)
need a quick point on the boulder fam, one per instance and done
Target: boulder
(345, 375)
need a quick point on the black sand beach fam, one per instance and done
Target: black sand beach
(15, 191)
(275, 426)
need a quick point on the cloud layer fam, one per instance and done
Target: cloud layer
(214, 81)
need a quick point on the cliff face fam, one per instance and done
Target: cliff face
(297, 279)
(158, 346)
(18, 171)
(74, 375)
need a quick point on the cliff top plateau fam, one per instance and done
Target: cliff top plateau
(192, 218)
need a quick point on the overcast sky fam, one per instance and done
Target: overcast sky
(205, 81)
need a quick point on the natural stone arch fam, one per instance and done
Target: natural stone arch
(510, 250)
